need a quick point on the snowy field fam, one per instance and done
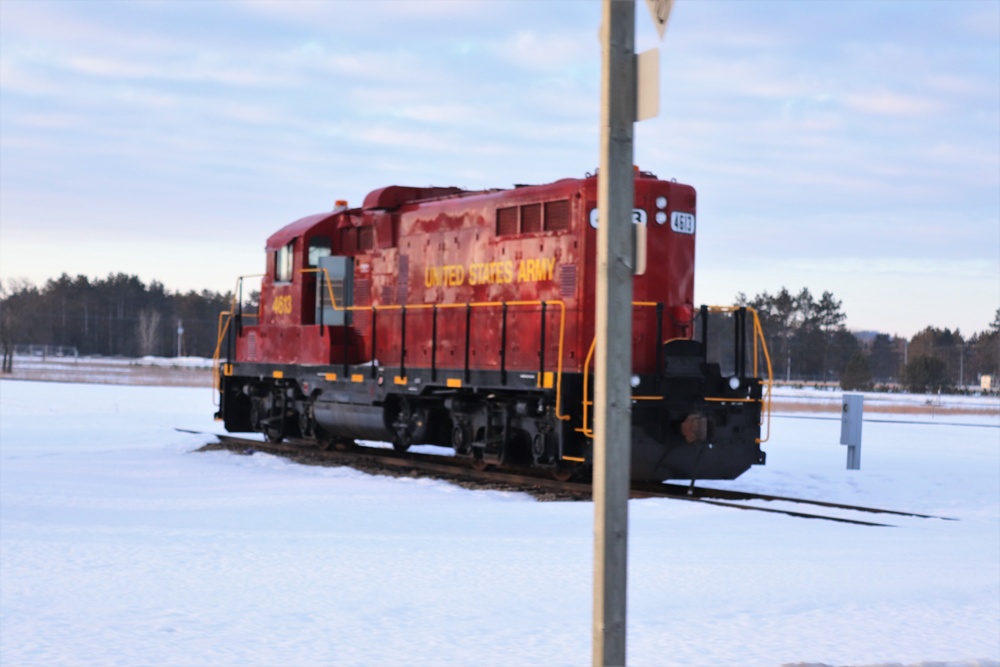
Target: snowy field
(828, 399)
(120, 546)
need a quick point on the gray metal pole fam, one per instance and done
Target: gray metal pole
(612, 392)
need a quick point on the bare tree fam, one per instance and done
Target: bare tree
(17, 316)
(148, 332)
(6, 331)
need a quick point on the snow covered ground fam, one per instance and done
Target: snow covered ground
(120, 546)
(156, 371)
(828, 399)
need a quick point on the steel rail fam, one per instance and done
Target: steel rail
(462, 469)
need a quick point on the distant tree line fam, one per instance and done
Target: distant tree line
(807, 337)
(809, 342)
(115, 316)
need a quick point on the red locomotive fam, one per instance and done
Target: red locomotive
(466, 319)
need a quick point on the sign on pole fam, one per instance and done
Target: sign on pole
(647, 75)
(659, 10)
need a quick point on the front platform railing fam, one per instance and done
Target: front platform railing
(740, 358)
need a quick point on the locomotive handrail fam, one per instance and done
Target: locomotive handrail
(470, 304)
(587, 431)
(223, 329)
(758, 337)
(759, 343)
(221, 332)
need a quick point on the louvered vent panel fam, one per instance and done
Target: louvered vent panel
(403, 279)
(388, 295)
(507, 221)
(556, 215)
(362, 297)
(567, 281)
(531, 218)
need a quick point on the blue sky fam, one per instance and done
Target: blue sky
(849, 146)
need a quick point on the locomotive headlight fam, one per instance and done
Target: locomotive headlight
(734, 383)
(661, 217)
(634, 381)
(661, 202)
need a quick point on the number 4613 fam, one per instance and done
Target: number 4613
(282, 305)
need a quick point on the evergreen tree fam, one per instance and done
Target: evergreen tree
(857, 375)
(884, 358)
(925, 373)
(117, 315)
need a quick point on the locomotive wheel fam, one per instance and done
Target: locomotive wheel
(478, 463)
(273, 435)
(400, 445)
(344, 444)
(562, 474)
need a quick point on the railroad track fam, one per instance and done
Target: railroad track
(460, 471)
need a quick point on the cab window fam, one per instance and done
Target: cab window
(283, 263)
(319, 246)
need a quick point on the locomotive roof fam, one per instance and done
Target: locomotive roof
(393, 197)
(293, 230)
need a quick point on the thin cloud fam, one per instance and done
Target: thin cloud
(200, 69)
(804, 127)
(893, 104)
(530, 50)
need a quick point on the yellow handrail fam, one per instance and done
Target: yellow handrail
(586, 382)
(759, 343)
(221, 331)
(587, 431)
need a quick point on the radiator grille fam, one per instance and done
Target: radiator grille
(567, 281)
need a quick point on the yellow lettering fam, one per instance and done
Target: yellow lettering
(490, 273)
(450, 275)
(532, 270)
